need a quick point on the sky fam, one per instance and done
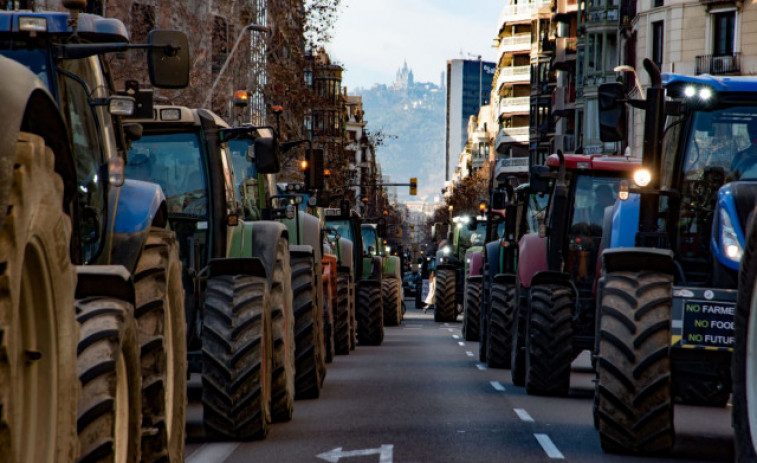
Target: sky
(372, 38)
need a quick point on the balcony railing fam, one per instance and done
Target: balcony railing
(513, 74)
(610, 15)
(521, 11)
(518, 42)
(514, 105)
(511, 135)
(509, 166)
(722, 64)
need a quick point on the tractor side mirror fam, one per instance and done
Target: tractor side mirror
(612, 112)
(314, 174)
(168, 59)
(540, 180)
(266, 155)
(435, 232)
(499, 200)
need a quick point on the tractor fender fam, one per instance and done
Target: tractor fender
(476, 266)
(493, 258)
(28, 106)
(505, 279)
(106, 281)
(135, 207)
(638, 259)
(446, 267)
(300, 250)
(372, 268)
(532, 257)
(346, 253)
(306, 229)
(391, 267)
(551, 278)
(256, 239)
(252, 266)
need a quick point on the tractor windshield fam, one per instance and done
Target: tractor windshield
(475, 237)
(243, 169)
(342, 227)
(369, 240)
(174, 161)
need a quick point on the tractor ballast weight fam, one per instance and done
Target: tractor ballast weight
(688, 238)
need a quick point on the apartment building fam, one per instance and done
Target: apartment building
(565, 23)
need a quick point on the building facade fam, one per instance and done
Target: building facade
(468, 88)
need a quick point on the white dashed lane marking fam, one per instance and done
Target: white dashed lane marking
(497, 386)
(481, 366)
(212, 453)
(454, 336)
(523, 415)
(549, 447)
(461, 343)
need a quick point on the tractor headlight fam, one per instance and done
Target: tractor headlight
(642, 177)
(446, 250)
(729, 240)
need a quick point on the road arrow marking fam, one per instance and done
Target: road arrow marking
(549, 447)
(385, 452)
(523, 415)
(497, 386)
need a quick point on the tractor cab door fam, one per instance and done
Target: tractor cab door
(176, 161)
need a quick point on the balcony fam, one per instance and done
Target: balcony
(565, 46)
(509, 166)
(514, 105)
(512, 74)
(600, 16)
(563, 99)
(518, 42)
(511, 135)
(719, 65)
(521, 12)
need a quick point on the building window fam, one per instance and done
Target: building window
(658, 35)
(658, 3)
(724, 25)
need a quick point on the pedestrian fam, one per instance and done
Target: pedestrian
(429, 302)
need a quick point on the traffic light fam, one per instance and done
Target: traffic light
(413, 186)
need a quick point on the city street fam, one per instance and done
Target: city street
(422, 396)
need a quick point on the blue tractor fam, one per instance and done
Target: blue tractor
(91, 313)
(665, 313)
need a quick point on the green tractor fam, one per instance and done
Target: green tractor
(452, 264)
(90, 293)
(236, 267)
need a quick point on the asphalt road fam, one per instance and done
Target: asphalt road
(422, 397)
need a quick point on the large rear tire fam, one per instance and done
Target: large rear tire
(549, 345)
(161, 333)
(370, 316)
(38, 394)
(343, 331)
(330, 301)
(744, 361)
(634, 410)
(500, 326)
(472, 308)
(282, 326)
(307, 383)
(391, 301)
(236, 358)
(518, 357)
(108, 364)
(444, 296)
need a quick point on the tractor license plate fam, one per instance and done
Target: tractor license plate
(703, 318)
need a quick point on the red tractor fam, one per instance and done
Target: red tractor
(557, 269)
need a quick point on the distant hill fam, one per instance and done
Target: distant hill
(411, 117)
